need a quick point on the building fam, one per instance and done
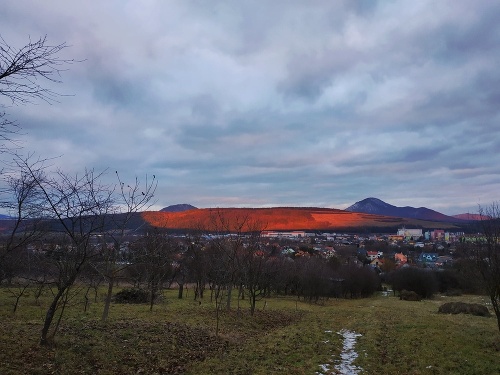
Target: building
(410, 234)
(294, 234)
(438, 235)
(400, 258)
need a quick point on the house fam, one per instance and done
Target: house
(428, 259)
(372, 255)
(400, 258)
(377, 263)
(444, 260)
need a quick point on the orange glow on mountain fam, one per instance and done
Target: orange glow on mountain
(280, 218)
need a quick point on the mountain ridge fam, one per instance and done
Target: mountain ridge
(379, 207)
(281, 219)
(181, 207)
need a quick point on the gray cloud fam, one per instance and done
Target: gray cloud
(275, 103)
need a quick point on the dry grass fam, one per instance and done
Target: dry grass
(398, 337)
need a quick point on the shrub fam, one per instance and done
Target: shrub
(132, 295)
(464, 308)
(409, 295)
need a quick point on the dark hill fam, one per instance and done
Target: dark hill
(378, 207)
(178, 208)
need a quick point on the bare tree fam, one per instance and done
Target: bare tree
(8, 130)
(314, 278)
(154, 253)
(25, 227)
(196, 263)
(24, 73)
(131, 199)
(76, 208)
(231, 236)
(257, 269)
(22, 70)
(487, 254)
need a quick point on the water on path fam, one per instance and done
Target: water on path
(344, 366)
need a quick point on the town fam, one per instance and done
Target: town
(430, 249)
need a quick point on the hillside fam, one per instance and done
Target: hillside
(471, 217)
(248, 219)
(279, 218)
(178, 208)
(379, 207)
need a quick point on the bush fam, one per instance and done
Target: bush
(132, 295)
(464, 308)
(409, 295)
(422, 282)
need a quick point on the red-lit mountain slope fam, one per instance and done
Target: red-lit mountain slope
(280, 218)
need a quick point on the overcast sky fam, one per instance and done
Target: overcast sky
(274, 103)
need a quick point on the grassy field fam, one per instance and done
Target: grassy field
(285, 336)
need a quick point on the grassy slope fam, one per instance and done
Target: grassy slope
(398, 337)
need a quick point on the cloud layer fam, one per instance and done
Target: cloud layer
(258, 103)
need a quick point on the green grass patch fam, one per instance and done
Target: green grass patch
(284, 336)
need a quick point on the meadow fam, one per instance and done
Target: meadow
(285, 336)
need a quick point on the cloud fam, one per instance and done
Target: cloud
(271, 103)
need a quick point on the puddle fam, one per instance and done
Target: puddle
(344, 366)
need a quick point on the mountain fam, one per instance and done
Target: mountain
(471, 217)
(282, 219)
(379, 207)
(252, 219)
(178, 208)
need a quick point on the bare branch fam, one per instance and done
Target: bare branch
(23, 70)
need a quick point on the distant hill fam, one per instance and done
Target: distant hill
(379, 207)
(471, 217)
(282, 219)
(178, 208)
(251, 219)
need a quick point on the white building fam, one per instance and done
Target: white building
(294, 234)
(410, 233)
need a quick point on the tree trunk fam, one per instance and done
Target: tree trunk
(181, 290)
(241, 292)
(495, 301)
(107, 302)
(252, 303)
(50, 316)
(154, 292)
(229, 292)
